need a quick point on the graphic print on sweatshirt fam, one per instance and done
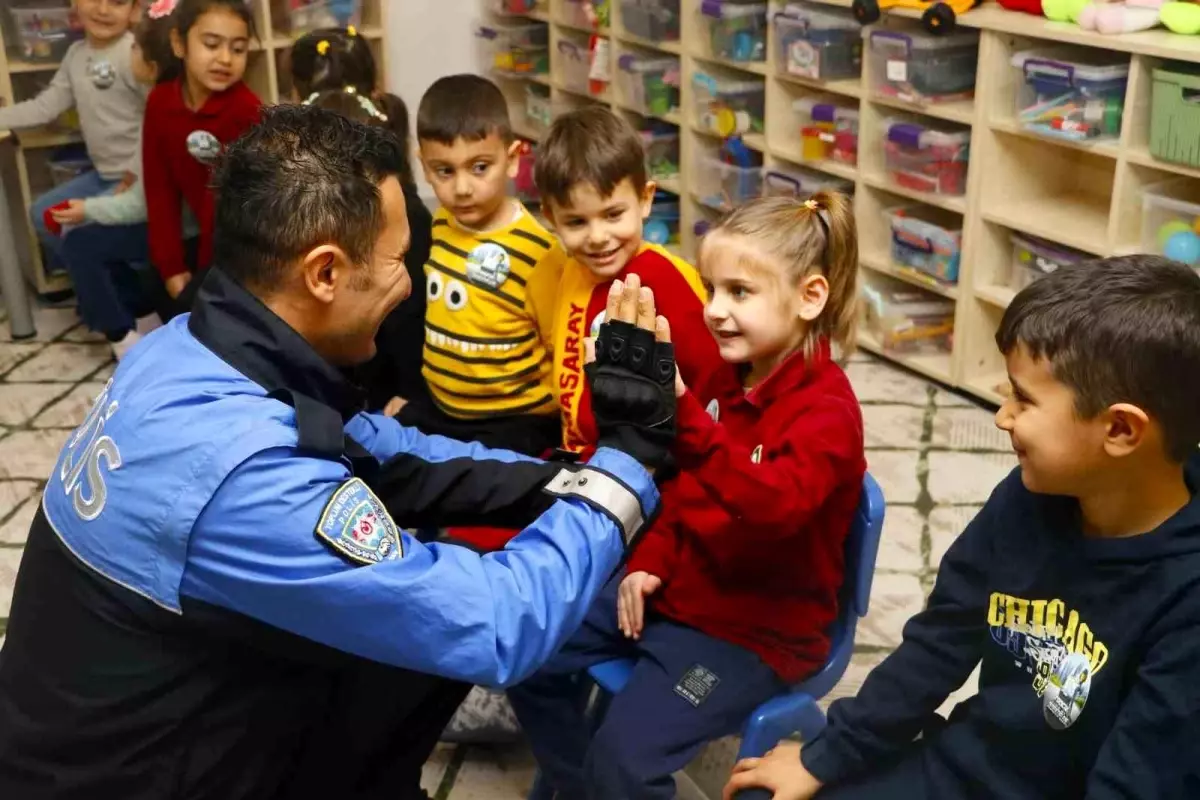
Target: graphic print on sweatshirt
(1054, 645)
(102, 73)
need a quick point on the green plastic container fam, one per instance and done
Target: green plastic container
(1175, 115)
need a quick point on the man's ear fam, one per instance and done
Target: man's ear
(177, 44)
(322, 270)
(1126, 428)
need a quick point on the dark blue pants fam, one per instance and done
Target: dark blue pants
(99, 258)
(650, 729)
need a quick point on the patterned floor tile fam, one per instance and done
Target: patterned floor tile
(968, 429)
(51, 322)
(877, 382)
(956, 477)
(500, 773)
(10, 559)
(945, 525)
(62, 362)
(893, 426)
(435, 768)
(13, 354)
(70, 411)
(15, 529)
(860, 666)
(894, 598)
(900, 544)
(19, 402)
(896, 472)
(30, 454)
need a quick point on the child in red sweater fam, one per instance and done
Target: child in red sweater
(188, 122)
(728, 598)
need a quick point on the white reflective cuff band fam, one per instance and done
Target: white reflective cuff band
(603, 492)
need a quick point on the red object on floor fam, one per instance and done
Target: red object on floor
(483, 539)
(1028, 6)
(52, 224)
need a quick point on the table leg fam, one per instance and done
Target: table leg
(12, 282)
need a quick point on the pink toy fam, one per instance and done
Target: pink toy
(1116, 18)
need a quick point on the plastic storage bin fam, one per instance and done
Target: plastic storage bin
(1034, 257)
(650, 85)
(517, 49)
(45, 33)
(926, 159)
(656, 20)
(926, 242)
(574, 65)
(736, 30)
(539, 109)
(722, 182)
(662, 151)
(907, 320)
(1175, 114)
(817, 43)
(828, 130)
(662, 226)
(301, 16)
(727, 106)
(1071, 94)
(801, 183)
(513, 6)
(920, 67)
(1171, 219)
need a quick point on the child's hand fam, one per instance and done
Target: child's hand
(631, 602)
(127, 180)
(177, 283)
(779, 771)
(394, 406)
(71, 215)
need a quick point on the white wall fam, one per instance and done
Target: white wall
(427, 39)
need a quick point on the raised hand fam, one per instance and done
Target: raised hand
(631, 602)
(632, 378)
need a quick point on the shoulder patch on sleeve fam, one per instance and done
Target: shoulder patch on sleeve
(356, 524)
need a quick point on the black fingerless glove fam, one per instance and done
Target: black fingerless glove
(633, 392)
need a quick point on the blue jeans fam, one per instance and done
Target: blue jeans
(111, 292)
(650, 729)
(81, 187)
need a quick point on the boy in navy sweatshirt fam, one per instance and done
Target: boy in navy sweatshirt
(1078, 585)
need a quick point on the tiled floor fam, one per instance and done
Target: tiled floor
(936, 455)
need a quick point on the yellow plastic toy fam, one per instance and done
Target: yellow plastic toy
(939, 17)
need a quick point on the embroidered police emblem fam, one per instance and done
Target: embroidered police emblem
(594, 330)
(356, 524)
(756, 456)
(102, 74)
(203, 146)
(1067, 691)
(714, 410)
(488, 265)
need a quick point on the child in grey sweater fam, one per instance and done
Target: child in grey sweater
(95, 78)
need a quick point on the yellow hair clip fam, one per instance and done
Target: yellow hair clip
(351, 31)
(812, 205)
(322, 47)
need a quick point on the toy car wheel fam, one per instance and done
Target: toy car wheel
(866, 11)
(939, 19)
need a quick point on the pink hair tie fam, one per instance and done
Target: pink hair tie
(161, 8)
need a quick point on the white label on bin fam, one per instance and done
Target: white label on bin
(897, 70)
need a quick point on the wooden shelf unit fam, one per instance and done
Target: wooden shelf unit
(1079, 195)
(25, 173)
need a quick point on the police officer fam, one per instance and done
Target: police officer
(217, 600)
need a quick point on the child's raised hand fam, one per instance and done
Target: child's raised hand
(394, 406)
(631, 602)
(71, 215)
(780, 771)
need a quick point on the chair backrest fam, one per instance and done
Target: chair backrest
(862, 546)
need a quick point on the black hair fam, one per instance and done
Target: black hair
(302, 177)
(349, 105)
(187, 12)
(346, 61)
(153, 36)
(1118, 330)
(467, 107)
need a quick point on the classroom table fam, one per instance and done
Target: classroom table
(12, 282)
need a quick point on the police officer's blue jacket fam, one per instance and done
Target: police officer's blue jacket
(222, 539)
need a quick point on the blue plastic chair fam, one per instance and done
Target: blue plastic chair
(796, 710)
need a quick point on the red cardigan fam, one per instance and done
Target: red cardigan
(750, 541)
(177, 167)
